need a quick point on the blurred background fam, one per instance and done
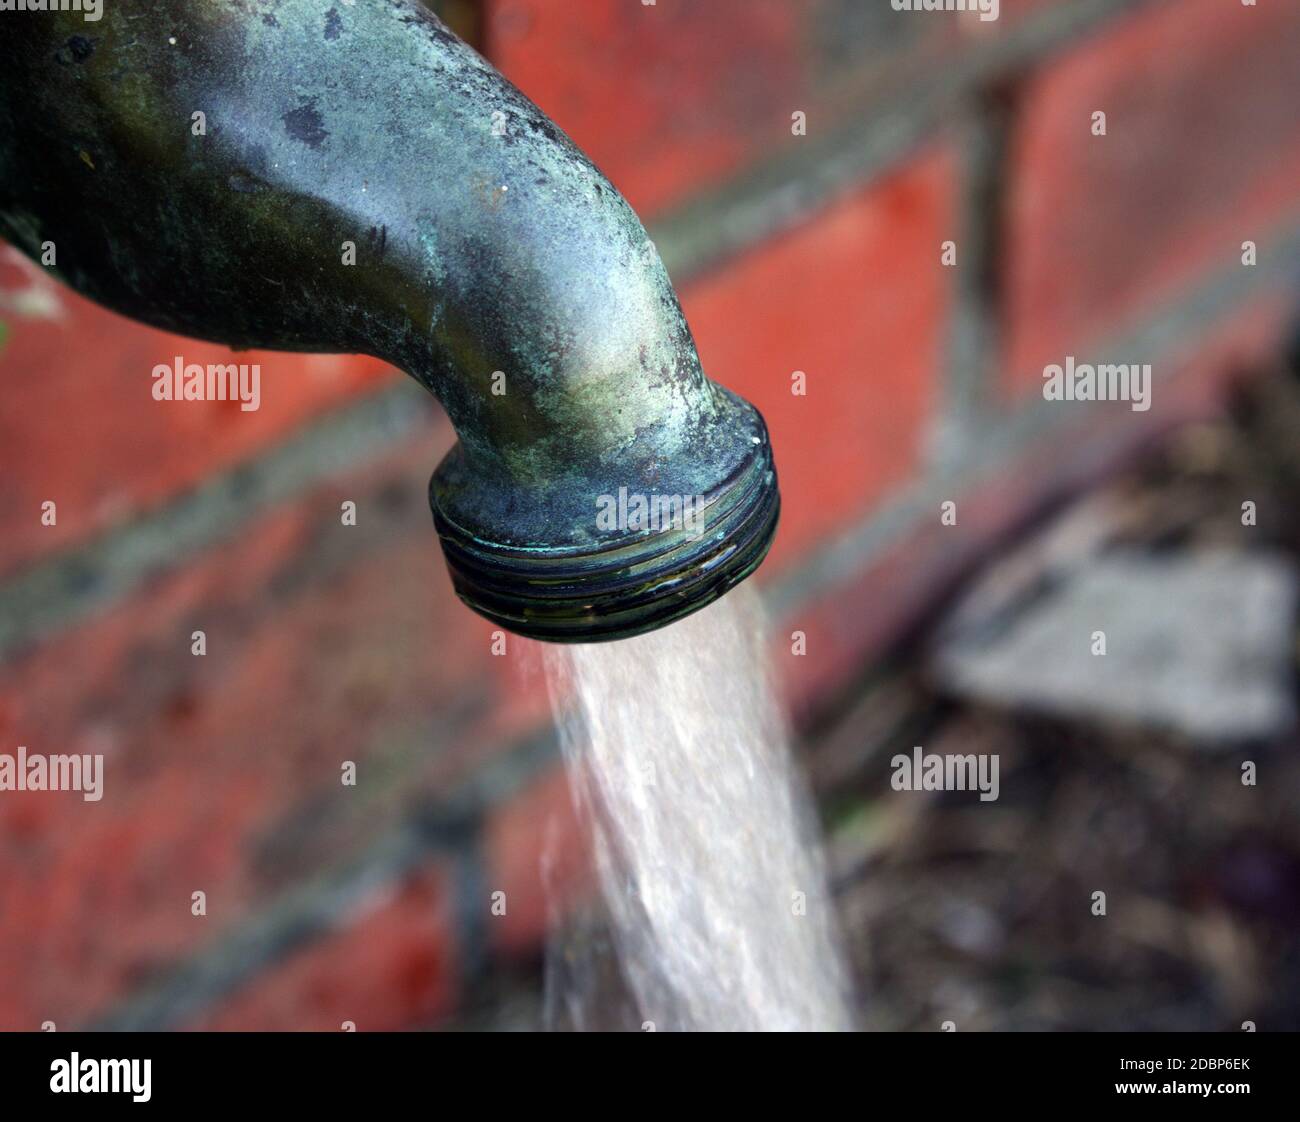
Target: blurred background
(943, 221)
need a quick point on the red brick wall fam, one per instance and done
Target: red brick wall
(1202, 152)
(818, 253)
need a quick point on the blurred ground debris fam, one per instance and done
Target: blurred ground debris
(1198, 641)
(982, 914)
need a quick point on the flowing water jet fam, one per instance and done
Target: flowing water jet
(705, 846)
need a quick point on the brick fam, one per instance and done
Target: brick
(856, 299)
(78, 424)
(392, 968)
(325, 643)
(673, 98)
(1202, 152)
(663, 98)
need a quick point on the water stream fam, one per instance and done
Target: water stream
(707, 855)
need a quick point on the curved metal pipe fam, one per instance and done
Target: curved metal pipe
(493, 262)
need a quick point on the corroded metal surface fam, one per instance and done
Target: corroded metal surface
(494, 263)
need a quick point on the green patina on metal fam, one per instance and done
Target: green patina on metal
(485, 243)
